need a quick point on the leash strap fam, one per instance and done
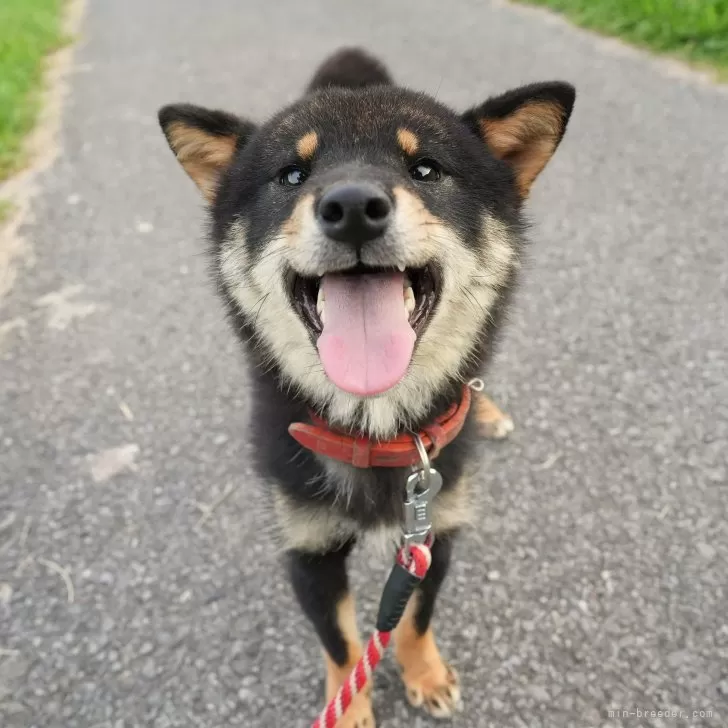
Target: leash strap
(413, 562)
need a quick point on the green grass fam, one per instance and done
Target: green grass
(694, 30)
(29, 30)
(5, 209)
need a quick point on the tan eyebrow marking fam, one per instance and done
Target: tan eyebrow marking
(307, 145)
(408, 141)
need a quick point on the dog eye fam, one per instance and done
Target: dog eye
(425, 171)
(292, 176)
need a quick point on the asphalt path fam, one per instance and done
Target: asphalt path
(140, 582)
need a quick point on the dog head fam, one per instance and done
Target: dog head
(367, 234)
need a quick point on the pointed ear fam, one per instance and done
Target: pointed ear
(523, 127)
(204, 141)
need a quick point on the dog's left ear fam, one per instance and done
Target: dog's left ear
(523, 127)
(204, 141)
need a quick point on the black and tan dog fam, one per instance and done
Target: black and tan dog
(366, 240)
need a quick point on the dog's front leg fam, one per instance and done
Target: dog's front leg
(321, 585)
(429, 681)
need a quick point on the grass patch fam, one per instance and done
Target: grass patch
(29, 30)
(694, 30)
(5, 209)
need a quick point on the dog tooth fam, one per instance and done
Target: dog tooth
(321, 304)
(409, 300)
(401, 267)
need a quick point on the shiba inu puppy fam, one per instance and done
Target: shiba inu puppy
(366, 241)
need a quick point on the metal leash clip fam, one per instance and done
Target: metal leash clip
(422, 487)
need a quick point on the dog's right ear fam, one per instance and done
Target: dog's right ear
(524, 126)
(204, 141)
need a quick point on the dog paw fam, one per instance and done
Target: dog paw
(497, 429)
(437, 690)
(359, 713)
(493, 424)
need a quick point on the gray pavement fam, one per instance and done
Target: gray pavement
(597, 577)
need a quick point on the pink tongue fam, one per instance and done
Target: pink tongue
(367, 342)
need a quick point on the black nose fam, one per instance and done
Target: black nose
(354, 212)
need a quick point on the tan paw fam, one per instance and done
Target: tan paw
(437, 690)
(359, 714)
(497, 429)
(493, 424)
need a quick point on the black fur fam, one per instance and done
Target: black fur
(350, 68)
(320, 583)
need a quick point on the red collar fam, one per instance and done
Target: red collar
(399, 452)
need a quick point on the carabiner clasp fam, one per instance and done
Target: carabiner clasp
(422, 487)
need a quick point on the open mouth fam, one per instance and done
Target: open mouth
(420, 292)
(365, 322)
